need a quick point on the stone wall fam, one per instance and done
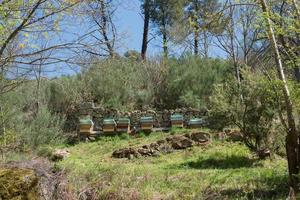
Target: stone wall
(161, 117)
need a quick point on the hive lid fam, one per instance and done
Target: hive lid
(85, 121)
(176, 117)
(146, 119)
(123, 120)
(109, 121)
(196, 121)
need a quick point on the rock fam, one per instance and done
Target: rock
(130, 156)
(263, 153)
(200, 137)
(234, 136)
(60, 154)
(165, 148)
(188, 135)
(181, 142)
(160, 142)
(92, 138)
(154, 145)
(155, 153)
(144, 152)
(18, 183)
(125, 153)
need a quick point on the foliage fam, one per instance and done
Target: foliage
(128, 84)
(252, 107)
(191, 79)
(45, 128)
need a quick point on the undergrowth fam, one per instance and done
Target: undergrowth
(221, 170)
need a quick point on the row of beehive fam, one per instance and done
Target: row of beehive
(146, 124)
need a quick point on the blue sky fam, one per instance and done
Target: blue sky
(129, 24)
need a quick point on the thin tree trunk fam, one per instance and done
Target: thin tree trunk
(165, 41)
(292, 142)
(196, 28)
(104, 28)
(205, 43)
(146, 29)
(196, 41)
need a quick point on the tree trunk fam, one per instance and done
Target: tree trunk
(195, 25)
(165, 41)
(103, 28)
(292, 142)
(196, 41)
(146, 29)
(205, 42)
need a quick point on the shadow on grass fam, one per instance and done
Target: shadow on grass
(267, 188)
(229, 162)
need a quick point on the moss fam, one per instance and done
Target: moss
(18, 184)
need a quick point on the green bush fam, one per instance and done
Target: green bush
(44, 129)
(252, 107)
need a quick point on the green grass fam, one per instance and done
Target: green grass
(218, 171)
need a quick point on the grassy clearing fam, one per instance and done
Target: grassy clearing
(221, 170)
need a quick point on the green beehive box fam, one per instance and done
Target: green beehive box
(196, 123)
(85, 126)
(123, 124)
(109, 125)
(146, 123)
(177, 120)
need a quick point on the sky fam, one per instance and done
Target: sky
(128, 21)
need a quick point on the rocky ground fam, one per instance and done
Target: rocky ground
(164, 146)
(32, 179)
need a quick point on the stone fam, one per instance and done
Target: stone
(234, 136)
(188, 135)
(144, 152)
(181, 142)
(125, 153)
(200, 137)
(60, 154)
(156, 153)
(92, 138)
(263, 153)
(160, 142)
(154, 145)
(166, 148)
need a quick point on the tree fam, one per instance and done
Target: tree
(164, 13)
(101, 39)
(203, 16)
(20, 25)
(292, 138)
(146, 10)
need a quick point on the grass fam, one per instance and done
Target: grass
(221, 170)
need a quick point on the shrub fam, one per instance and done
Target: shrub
(252, 107)
(44, 129)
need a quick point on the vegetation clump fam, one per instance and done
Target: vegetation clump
(18, 184)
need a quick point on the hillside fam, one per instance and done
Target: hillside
(220, 170)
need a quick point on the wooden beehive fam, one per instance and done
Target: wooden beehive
(123, 125)
(146, 123)
(195, 123)
(85, 126)
(109, 126)
(177, 121)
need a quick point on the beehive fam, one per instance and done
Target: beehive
(177, 121)
(123, 125)
(146, 123)
(109, 125)
(196, 123)
(85, 126)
